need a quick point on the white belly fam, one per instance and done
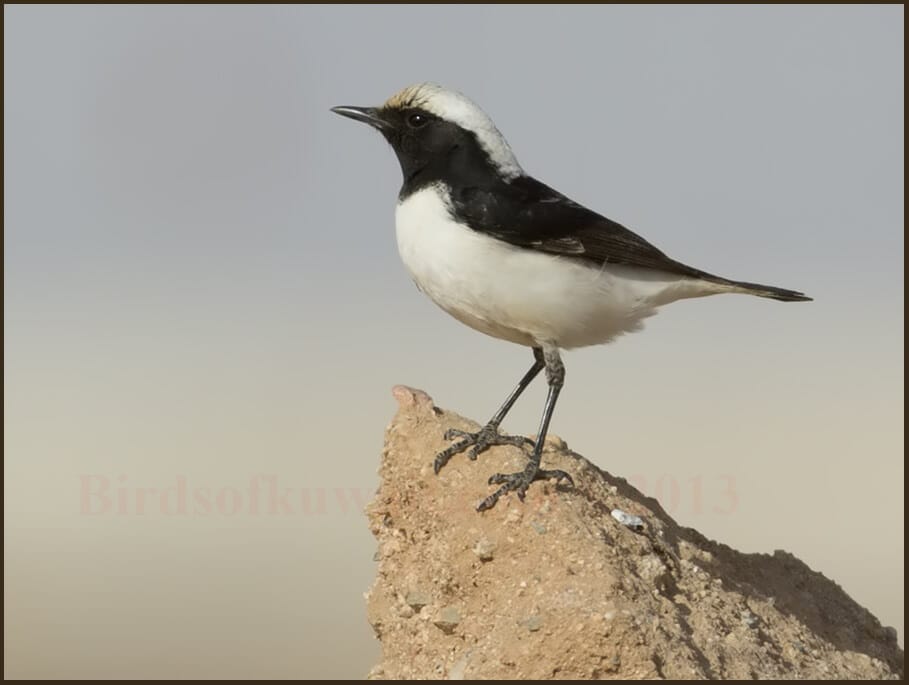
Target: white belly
(522, 295)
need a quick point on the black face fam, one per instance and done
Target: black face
(428, 148)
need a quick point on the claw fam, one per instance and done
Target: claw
(446, 454)
(479, 442)
(482, 440)
(519, 482)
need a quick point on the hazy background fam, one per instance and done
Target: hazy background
(202, 286)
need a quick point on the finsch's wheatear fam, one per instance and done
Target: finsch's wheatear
(511, 257)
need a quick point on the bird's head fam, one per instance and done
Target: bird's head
(437, 132)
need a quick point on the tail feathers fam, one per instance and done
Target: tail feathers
(770, 291)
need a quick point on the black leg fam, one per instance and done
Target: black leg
(520, 481)
(489, 435)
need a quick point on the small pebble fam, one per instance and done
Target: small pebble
(534, 623)
(556, 442)
(628, 520)
(416, 600)
(539, 527)
(749, 619)
(484, 549)
(513, 516)
(448, 620)
(456, 672)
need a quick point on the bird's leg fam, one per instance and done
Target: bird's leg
(489, 434)
(519, 482)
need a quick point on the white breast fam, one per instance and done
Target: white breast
(522, 295)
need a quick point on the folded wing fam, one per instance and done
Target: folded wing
(530, 214)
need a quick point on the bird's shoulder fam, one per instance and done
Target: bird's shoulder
(528, 213)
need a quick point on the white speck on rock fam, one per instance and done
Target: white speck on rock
(628, 520)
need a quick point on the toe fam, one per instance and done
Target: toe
(487, 503)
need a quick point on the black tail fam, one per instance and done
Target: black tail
(770, 291)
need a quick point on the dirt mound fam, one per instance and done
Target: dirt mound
(560, 587)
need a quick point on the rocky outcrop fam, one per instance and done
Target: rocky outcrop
(564, 586)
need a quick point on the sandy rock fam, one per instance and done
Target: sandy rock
(556, 587)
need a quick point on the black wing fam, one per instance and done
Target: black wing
(530, 214)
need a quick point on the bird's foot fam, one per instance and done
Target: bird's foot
(478, 442)
(519, 482)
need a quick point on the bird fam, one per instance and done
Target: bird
(511, 257)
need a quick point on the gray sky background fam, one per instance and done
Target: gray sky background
(202, 282)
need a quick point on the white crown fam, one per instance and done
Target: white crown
(457, 108)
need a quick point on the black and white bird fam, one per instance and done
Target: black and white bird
(511, 257)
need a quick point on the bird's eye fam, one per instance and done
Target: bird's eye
(416, 120)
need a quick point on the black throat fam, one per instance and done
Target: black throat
(455, 158)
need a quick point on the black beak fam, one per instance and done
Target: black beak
(368, 115)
